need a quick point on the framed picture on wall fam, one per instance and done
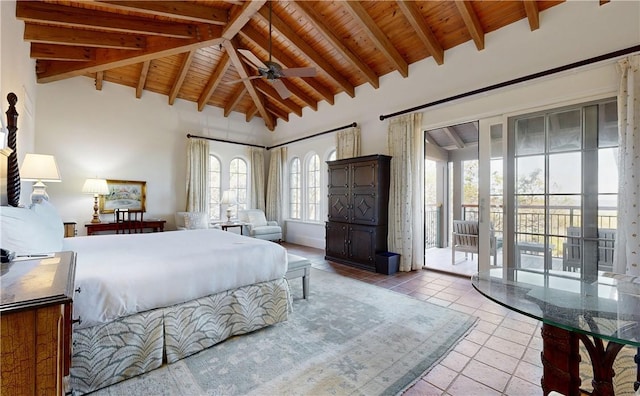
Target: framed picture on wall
(124, 194)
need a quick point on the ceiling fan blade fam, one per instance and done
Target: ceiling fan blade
(252, 58)
(281, 89)
(299, 72)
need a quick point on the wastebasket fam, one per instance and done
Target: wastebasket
(387, 263)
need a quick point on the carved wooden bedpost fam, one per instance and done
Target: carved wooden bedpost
(13, 172)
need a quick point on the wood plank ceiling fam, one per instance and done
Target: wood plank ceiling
(189, 49)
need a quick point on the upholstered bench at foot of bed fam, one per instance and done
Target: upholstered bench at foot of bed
(299, 267)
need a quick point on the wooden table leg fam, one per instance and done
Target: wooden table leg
(602, 359)
(560, 360)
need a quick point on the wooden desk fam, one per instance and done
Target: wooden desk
(156, 225)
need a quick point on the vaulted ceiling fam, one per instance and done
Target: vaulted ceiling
(195, 50)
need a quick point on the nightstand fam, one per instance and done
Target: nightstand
(35, 317)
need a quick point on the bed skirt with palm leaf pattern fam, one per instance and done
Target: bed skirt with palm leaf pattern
(106, 354)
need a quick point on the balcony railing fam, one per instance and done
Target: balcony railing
(530, 221)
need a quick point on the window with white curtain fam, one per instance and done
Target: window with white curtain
(295, 189)
(214, 188)
(238, 181)
(313, 188)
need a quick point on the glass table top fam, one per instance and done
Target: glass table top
(606, 307)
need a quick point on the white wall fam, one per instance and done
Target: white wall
(111, 134)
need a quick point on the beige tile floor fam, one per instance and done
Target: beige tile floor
(499, 356)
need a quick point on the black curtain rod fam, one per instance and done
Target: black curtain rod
(573, 65)
(352, 125)
(190, 136)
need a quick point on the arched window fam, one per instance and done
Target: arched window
(214, 188)
(313, 188)
(332, 156)
(295, 189)
(238, 181)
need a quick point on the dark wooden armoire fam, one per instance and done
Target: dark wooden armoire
(358, 210)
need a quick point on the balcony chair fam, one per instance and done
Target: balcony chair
(464, 238)
(257, 226)
(571, 257)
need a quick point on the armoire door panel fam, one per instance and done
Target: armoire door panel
(337, 239)
(338, 176)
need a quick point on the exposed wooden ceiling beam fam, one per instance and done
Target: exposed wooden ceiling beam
(533, 15)
(184, 69)
(235, 98)
(411, 12)
(377, 36)
(173, 9)
(278, 112)
(251, 112)
(315, 19)
(283, 59)
(143, 78)
(157, 47)
(214, 80)
(312, 55)
(242, 71)
(99, 79)
(248, 10)
(62, 52)
(85, 38)
(465, 8)
(454, 136)
(54, 14)
(268, 90)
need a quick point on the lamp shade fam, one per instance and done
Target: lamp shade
(95, 186)
(39, 167)
(228, 197)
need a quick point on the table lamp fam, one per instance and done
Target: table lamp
(229, 199)
(96, 187)
(39, 168)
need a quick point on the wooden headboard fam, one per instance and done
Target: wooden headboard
(13, 172)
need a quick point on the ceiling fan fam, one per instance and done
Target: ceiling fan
(272, 71)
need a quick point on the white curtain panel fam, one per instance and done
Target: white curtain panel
(197, 176)
(257, 198)
(275, 187)
(348, 143)
(406, 195)
(627, 252)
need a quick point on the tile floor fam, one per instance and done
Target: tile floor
(500, 356)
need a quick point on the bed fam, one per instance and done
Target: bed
(145, 299)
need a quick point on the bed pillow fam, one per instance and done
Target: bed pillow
(27, 231)
(196, 220)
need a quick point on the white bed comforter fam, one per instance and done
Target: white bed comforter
(120, 275)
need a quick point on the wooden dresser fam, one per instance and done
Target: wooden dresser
(358, 210)
(35, 318)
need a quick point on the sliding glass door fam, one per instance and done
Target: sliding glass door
(564, 188)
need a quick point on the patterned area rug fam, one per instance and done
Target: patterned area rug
(348, 338)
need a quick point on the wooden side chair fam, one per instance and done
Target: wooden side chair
(128, 221)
